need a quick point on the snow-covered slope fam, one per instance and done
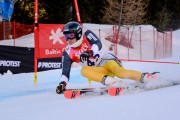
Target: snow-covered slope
(24, 41)
(21, 100)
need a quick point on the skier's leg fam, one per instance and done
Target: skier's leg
(95, 73)
(120, 72)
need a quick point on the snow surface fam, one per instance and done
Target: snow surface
(21, 100)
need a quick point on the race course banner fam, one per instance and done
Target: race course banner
(21, 60)
(51, 41)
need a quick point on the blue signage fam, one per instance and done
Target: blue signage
(6, 9)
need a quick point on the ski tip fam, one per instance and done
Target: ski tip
(115, 91)
(112, 91)
(69, 94)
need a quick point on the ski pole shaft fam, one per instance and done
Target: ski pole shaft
(150, 61)
(153, 61)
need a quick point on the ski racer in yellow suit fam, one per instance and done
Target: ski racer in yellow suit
(97, 64)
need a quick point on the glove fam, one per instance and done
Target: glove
(61, 88)
(86, 55)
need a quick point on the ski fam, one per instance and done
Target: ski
(116, 91)
(125, 88)
(75, 93)
(136, 88)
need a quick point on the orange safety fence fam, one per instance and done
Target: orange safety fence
(129, 43)
(135, 42)
(13, 30)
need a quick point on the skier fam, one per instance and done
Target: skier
(97, 64)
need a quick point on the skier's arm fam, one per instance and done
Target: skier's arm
(66, 67)
(94, 41)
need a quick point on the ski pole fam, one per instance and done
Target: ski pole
(153, 61)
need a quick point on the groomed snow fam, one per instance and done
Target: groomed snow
(21, 100)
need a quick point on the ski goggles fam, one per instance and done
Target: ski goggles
(69, 36)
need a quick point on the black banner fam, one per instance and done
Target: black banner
(21, 60)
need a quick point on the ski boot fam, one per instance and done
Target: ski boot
(110, 82)
(148, 77)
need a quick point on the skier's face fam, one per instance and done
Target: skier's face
(71, 41)
(69, 36)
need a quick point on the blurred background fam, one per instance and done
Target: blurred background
(162, 14)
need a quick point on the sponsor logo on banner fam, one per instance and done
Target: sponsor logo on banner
(51, 41)
(56, 36)
(52, 51)
(10, 63)
(49, 65)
